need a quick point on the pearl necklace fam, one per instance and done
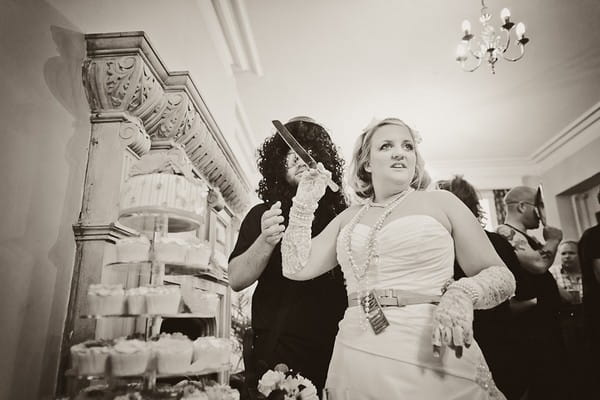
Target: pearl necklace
(361, 270)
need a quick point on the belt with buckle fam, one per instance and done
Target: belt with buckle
(396, 298)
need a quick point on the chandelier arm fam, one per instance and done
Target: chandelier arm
(464, 67)
(478, 56)
(522, 50)
(504, 48)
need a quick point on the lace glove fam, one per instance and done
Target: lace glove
(453, 322)
(453, 318)
(488, 288)
(295, 245)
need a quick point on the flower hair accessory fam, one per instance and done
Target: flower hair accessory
(282, 383)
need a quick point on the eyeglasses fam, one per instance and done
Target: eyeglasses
(293, 159)
(524, 202)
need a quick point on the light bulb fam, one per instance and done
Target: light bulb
(520, 30)
(466, 27)
(505, 14)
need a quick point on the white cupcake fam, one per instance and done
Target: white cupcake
(129, 357)
(191, 390)
(171, 250)
(136, 300)
(221, 392)
(90, 357)
(173, 354)
(106, 299)
(232, 394)
(198, 252)
(194, 394)
(203, 303)
(210, 353)
(163, 299)
(133, 249)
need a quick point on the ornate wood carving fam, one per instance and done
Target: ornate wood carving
(124, 73)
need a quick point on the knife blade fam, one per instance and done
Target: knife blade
(300, 151)
(539, 205)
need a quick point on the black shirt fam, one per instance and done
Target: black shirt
(541, 286)
(589, 250)
(315, 306)
(500, 313)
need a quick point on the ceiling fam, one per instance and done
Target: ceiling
(344, 62)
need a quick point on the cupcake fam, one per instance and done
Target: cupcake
(171, 250)
(232, 394)
(129, 357)
(213, 392)
(136, 300)
(173, 353)
(210, 353)
(198, 253)
(191, 390)
(133, 249)
(203, 303)
(218, 391)
(163, 299)
(104, 299)
(94, 392)
(165, 392)
(90, 357)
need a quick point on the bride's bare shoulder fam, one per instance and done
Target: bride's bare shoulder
(345, 216)
(437, 197)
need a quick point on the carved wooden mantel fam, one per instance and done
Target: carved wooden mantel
(123, 74)
(136, 104)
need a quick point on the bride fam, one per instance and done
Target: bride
(400, 337)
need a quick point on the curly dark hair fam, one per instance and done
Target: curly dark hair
(465, 192)
(272, 155)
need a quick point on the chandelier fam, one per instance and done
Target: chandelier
(490, 46)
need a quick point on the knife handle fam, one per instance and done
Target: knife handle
(332, 185)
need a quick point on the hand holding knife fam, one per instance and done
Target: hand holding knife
(300, 151)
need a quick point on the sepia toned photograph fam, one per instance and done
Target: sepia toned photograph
(300, 199)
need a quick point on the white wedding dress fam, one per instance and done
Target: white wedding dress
(415, 253)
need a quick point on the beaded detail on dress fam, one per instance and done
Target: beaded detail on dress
(483, 377)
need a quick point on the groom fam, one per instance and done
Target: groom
(294, 323)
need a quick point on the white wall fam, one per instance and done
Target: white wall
(44, 137)
(573, 170)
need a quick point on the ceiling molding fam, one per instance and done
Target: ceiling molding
(235, 26)
(568, 141)
(496, 173)
(213, 27)
(245, 138)
(484, 173)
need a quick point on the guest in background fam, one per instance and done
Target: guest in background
(294, 323)
(493, 329)
(568, 273)
(569, 281)
(539, 318)
(589, 258)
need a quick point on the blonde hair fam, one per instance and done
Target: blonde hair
(360, 179)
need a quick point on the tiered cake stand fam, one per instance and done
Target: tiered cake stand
(155, 224)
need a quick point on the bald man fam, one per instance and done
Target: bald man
(537, 304)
